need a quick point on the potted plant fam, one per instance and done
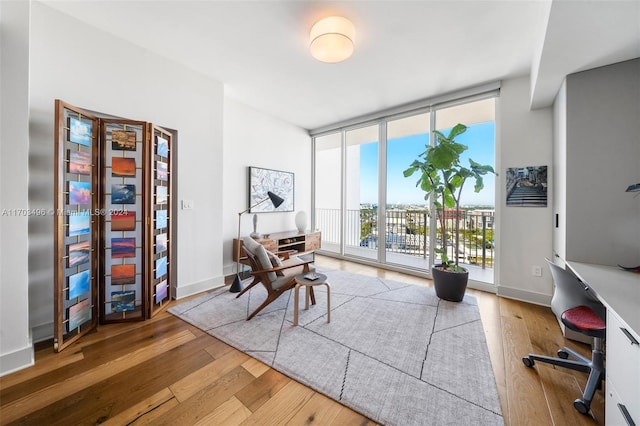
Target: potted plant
(442, 176)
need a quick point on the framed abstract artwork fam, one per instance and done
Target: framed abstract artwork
(262, 181)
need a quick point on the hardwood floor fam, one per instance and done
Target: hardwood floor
(165, 371)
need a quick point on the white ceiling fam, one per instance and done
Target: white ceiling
(405, 50)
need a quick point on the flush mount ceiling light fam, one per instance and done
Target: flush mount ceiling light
(331, 39)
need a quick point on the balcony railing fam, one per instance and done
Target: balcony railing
(407, 232)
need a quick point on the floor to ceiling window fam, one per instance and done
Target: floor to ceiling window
(361, 191)
(478, 209)
(407, 211)
(395, 224)
(328, 190)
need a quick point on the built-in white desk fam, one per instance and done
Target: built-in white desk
(619, 291)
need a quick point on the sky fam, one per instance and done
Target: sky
(402, 151)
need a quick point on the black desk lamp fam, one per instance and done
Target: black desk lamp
(236, 287)
(633, 188)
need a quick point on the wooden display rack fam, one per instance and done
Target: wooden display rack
(112, 221)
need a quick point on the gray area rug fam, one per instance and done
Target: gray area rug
(393, 351)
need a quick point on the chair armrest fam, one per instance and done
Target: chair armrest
(292, 264)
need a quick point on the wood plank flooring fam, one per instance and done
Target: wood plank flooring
(165, 371)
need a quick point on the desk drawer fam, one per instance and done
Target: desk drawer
(616, 413)
(623, 364)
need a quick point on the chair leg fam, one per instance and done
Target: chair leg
(247, 288)
(268, 300)
(271, 297)
(576, 355)
(566, 363)
(595, 377)
(594, 366)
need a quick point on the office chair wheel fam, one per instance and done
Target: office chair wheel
(581, 406)
(563, 354)
(527, 361)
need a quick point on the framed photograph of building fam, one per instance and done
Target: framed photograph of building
(526, 186)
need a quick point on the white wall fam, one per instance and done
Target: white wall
(253, 138)
(524, 234)
(94, 70)
(15, 339)
(603, 158)
(560, 171)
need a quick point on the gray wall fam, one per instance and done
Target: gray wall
(602, 159)
(524, 138)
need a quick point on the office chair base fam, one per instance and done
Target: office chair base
(581, 406)
(593, 366)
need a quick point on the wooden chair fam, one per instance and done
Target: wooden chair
(276, 279)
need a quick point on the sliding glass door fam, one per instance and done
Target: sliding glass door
(328, 190)
(395, 224)
(407, 212)
(361, 192)
(476, 226)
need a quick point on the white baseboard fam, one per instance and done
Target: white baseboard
(16, 360)
(42, 332)
(479, 285)
(198, 287)
(524, 295)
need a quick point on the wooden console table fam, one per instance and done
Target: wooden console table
(293, 241)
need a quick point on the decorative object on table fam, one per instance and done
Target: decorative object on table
(255, 234)
(442, 177)
(526, 186)
(433, 350)
(262, 181)
(301, 221)
(236, 287)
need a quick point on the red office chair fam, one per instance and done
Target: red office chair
(585, 320)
